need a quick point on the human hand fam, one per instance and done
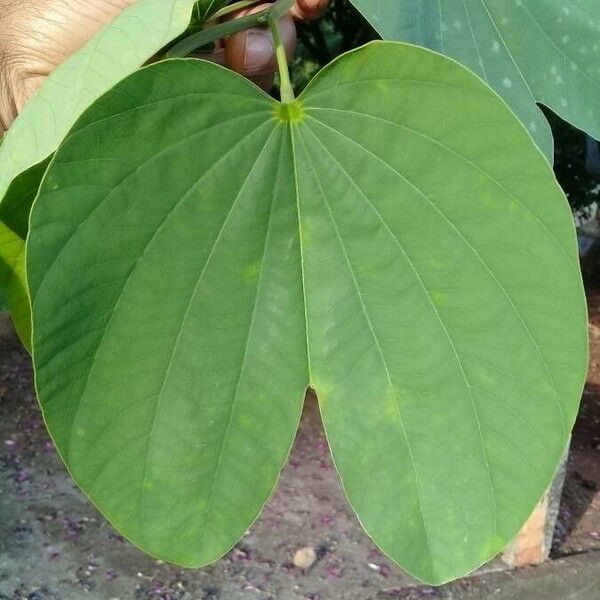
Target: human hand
(38, 35)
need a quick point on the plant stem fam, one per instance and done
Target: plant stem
(227, 10)
(285, 84)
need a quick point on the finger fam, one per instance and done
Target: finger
(252, 52)
(309, 10)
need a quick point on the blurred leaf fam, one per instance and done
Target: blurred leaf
(544, 50)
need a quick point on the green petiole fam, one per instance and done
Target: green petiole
(285, 84)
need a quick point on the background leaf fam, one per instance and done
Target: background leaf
(13, 232)
(169, 330)
(115, 52)
(530, 50)
(413, 259)
(206, 8)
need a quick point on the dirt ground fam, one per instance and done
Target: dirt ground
(55, 546)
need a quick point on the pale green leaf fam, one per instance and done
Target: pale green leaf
(116, 51)
(528, 50)
(412, 258)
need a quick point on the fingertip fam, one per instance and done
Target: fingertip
(252, 52)
(309, 10)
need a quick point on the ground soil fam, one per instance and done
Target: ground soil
(55, 546)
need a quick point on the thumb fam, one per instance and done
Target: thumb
(252, 52)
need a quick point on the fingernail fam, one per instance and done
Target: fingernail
(258, 52)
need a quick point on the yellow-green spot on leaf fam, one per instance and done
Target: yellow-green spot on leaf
(391, 402)
(252, 271)
(438, 298)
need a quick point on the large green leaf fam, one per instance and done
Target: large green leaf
(199, 254)
(115, 52)
(527, 50)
